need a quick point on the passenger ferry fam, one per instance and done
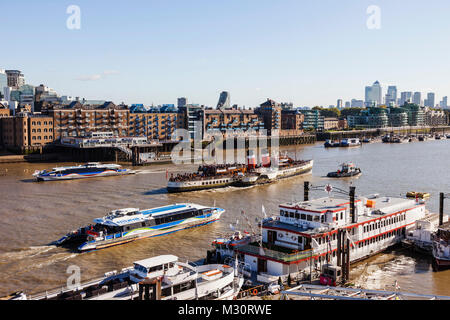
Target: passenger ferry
(126, 225)
(303, 236)
(158, 278)
(88, 170)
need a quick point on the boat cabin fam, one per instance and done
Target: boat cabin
(154, 267)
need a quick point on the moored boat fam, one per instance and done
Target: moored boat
(331, 144)
(88, 170)
(441, 247)
(353, 142)
(347, 170)
(127, 225)
(170, 279)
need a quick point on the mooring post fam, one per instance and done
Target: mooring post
(306, 191)
(441, 209)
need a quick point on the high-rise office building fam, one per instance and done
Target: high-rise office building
(347, 104)
(182, 102)
(3, 83)
(357, 103)
(444, 102)
(429, 101)
(417, 98)
(391, 96)
(405, 97)
(373, 94)
(15, 79)
(339, 104)
(224, 100)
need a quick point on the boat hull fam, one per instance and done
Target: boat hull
(75, 176)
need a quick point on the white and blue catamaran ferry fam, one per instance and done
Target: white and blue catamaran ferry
(126, 225)
(88, 170)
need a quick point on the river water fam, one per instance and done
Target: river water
(35, 214)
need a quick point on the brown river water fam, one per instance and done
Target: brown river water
(35, 214)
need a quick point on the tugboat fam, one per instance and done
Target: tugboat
(354, 142)
(347, 170)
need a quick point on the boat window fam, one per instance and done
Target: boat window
(297, 215)
(303, 216)
(308, 217)
(143, 224)
(316, 218)
(300, 239)
(157, 268)
(291, 214)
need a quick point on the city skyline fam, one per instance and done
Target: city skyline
(156, 55)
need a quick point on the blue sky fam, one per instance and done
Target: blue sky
(306, 52)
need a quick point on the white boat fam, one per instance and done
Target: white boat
(88, 170)
(441, 247)
(126, 225)
(157, 278)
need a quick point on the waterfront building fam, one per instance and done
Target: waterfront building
(192, 118)
(270, 112)
(416, 114)
(15, 79)
(435, 118)
(429, 101)
(24, 95)
(25, 130)
(398, 117)
(224, 100)
(4, 109)
(228, 121)
(77, 120)
(417, 98)
(373, 94)
(155, 124)
(313, 120)
(376, 117)
(330, 123)
(291, 122)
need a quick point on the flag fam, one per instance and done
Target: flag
(264, 212)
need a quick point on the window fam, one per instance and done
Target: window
(308, 217)
(297, 215)
(291, 214)
(303, 216)
(342, 215)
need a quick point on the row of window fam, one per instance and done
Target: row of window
(39, 123)
(384, 223)
(380, 237)
(180, 216)
(39, 130)
(40, 138)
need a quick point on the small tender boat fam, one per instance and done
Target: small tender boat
(347, 170)
(414, 194)
(354, 142)
(88, 170)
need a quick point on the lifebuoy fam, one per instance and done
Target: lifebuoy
(255, 292)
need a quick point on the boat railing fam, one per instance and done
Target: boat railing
(277, 255)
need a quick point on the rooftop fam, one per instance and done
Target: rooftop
(157, 261)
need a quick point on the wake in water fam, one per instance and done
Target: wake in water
(24, 253)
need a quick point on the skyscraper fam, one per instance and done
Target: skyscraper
(339, 104)
(224, 100)
(417, 99)
(3, 83)
(373, 94)
(15, 79)
(444, 102)
(391, 96)
(182, 102)
(405, 97)
(429, 101)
